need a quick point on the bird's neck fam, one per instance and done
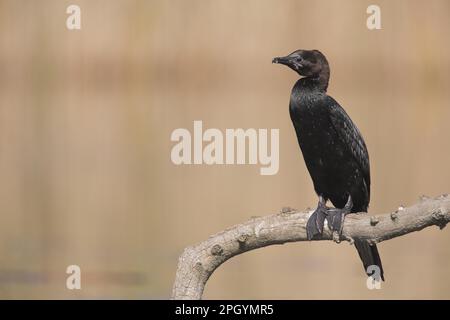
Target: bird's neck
(316, 82)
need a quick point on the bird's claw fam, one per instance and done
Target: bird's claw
(314, 226)
(335, 217)
(349, 204)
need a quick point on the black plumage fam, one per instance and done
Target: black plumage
(333, 149)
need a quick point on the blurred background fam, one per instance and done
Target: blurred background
(85, 124)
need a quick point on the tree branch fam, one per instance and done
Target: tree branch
(197, 263)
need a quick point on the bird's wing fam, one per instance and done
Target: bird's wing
(350, 136)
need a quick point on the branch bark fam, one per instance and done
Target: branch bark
(198, 262)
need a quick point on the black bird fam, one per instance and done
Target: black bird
(334, 150)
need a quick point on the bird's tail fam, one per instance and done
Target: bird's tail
(369, 256)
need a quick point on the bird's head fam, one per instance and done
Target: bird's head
(308, 63)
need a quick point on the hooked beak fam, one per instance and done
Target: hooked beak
(281, 60)
(287, 61)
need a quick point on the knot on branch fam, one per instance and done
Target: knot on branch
(199, 267)
(440, 217)
(374, 221)
(242, 239)
(217, 250)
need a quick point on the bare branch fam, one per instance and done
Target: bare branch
(197, 263)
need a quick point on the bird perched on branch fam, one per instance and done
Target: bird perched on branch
(333, 149)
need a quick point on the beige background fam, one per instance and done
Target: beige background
(85, 124)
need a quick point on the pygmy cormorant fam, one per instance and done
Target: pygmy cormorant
(333, 149)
